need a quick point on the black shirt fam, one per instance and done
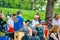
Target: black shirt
(2, 24)
(50, 38)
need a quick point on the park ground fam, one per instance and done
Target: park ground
(27, 14)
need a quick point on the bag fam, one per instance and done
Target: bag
(26, 37)
(40, 32)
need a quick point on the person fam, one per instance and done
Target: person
(10, 27)
(2, 22)
(45, 29)
(56, 21)
(34, 23)
(11, 23)
(8, 15)
(54, 32)
(39, 20)
(46, 32)
(49, 23)
(59, 34)
(20, 25)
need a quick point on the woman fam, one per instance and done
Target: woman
(54, 33)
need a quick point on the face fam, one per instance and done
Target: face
(2, 15)
(35, 18)
(57, 16)
(13, 17)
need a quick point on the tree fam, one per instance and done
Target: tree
(32, 4)
(49, 9)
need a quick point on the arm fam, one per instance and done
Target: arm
(24, 24)
(53, 36)
(10, 26)
(22, 20)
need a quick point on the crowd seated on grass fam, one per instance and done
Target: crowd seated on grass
(15, 22)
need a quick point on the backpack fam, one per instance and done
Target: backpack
(27, 37)
(40, 32)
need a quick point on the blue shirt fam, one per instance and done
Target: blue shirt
(18, 23)
(39, 20)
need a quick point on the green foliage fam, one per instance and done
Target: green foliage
(20, 4)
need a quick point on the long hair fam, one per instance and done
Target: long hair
(54, 29)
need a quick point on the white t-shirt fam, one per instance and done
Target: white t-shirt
(11, 22)
(34, 23)
(56, 22)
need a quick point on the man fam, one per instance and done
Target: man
(56, 21)
(11, 23)
(2, 22)
(8, 15)
(34, 23)
(19, 24)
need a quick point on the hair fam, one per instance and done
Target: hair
(38, 13)
(19, 12)
(54, 29)
(55, 15)
(13, 15)
(59, 29)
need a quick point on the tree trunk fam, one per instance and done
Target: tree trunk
(32, 5)
(49, 9)
(3, 3)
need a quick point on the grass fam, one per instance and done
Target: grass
(27, 14)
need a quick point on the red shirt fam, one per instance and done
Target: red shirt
(11, 30)
(46, 32)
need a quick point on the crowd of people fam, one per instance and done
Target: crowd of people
(15, 22)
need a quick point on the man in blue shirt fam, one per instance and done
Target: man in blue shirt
(19, 24)
(18, 21)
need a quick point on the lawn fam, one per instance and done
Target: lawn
(27, 14)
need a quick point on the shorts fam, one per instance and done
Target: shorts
(26, 30)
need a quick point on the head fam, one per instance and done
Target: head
(56, 16)
(36, 18)
(1, 15)
(55, 29)
(19, 13)
(13, 16)
(38, 14)
(49, 19)
(43, 22)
